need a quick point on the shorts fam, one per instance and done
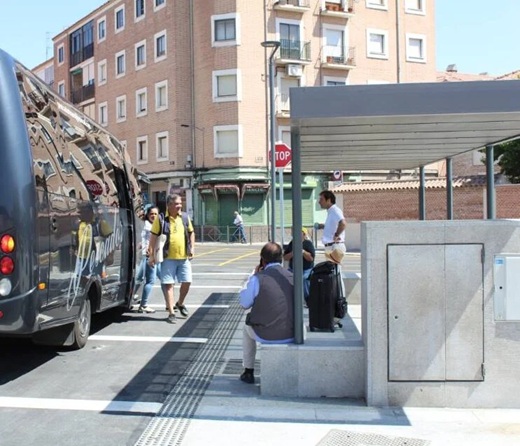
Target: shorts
(175, 271)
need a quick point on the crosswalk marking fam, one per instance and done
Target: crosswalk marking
(83, 405)
(147, 339)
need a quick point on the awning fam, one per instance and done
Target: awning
(401, 126)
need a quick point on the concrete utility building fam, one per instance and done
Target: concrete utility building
(440, 299)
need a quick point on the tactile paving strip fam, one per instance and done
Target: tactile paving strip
(168, 427)
(338, 437)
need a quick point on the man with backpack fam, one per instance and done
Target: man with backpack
(178, 251)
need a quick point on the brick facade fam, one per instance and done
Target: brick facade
(403, 204)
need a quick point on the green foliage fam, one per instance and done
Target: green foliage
(508, 156)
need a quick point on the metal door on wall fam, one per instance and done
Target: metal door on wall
(435, 312)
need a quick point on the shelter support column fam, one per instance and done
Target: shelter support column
(297, 235)
(422, 194)
(490, 176)
(449, 188)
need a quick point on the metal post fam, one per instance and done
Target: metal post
(274, 44)
(282, 222)
(422, 194)
(449, 188)
(297, 236)
(490, 176)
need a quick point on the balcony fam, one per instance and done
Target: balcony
(81, 55)
(283, 106)
(83, 93)
(342, 62)
(292, 51)
(344, 9)
(299, 6)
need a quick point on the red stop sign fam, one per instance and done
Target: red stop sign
(283, 155)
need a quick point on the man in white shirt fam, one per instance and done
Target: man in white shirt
(335, 224)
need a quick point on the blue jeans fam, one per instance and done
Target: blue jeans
(147, 273)
(306, 282)
(239, 234)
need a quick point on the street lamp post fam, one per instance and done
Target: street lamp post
(274, 44)
(201, 130)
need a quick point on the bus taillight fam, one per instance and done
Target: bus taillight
(6, 265)
(7, 244)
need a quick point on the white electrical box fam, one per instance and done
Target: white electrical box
(507, 287)
(294, 70)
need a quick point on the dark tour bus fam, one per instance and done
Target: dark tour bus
(69, 201)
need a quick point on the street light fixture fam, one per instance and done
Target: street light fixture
(274, 44)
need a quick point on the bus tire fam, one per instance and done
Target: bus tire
(81, 327)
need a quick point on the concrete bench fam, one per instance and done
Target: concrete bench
(352, 283)
(326, 365)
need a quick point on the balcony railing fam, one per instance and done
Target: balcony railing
(346, 59)
(342, 8)
(297, 3)
(295, 50)
(83, 94)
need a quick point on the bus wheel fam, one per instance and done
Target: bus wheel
(81, 327)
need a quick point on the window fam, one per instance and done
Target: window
(139, 9)
(120, 64)
(335, 44)
(329, 81)
(377, 4)
(140, 55)
(142, 150)
(101, 29)
(415, 6)
(121, 108)
(162, 146)
(228, 141)
(102, 72)
(103, 114)
(158, 4)
(225, 29)
(160, 46)
(120, 19)
(61, 89)
(226, 85)
(377, 44)
(140, 102)
(61, 54)
(161, 96)
(291, 39)
(415, 48)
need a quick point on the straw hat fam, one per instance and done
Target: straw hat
(336, 255)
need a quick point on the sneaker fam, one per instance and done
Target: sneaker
(248, 376)
(182, 309)
(145, 310)
(171, 319)
(136, 297)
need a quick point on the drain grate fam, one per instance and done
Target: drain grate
(338, 437)
(235, 367)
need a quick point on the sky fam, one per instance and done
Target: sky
(476, 35)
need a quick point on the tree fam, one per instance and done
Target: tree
(508, 156)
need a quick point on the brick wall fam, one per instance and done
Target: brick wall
(395, 204)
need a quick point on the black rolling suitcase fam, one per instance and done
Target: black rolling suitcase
(324, 297)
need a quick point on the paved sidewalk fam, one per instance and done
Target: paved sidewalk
(228, 412)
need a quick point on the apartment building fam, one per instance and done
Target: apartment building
(185, 84)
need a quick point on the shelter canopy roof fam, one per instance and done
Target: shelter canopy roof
(400, 126)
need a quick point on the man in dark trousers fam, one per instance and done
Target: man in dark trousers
(268, 294)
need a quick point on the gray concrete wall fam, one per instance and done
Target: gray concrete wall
(433, 270)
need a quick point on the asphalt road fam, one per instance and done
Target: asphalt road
(106, 393)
